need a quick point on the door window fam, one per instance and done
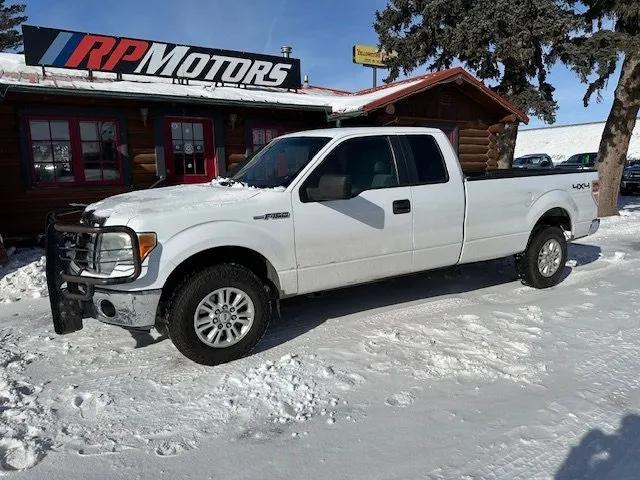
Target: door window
(366, 161)
(187, 139)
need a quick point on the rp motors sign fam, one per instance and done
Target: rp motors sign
(51, 47)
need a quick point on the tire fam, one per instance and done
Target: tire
(528, 265)
(195, 296)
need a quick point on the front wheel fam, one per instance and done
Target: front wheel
(219, 314)
(542, 263)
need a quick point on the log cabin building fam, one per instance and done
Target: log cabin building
(72, 136)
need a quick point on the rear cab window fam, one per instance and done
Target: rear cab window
(425, 160)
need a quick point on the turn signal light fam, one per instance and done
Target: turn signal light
(146, 243)
(595, 190)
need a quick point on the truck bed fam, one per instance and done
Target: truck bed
(501, 215)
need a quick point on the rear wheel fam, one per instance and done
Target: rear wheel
(542, 263)
(219, 314)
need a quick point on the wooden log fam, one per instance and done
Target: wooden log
(497, 128)
(473, 149)
(144, 167)
(474, 141)
(473, 132)
(473, 158)
(492, 153)
(473, 167)
(144, 159)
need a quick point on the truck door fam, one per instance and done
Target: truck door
(438, 201)
(364, 237)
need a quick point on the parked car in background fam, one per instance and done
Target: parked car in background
(580, 161)
(630, 179)
(534, 160)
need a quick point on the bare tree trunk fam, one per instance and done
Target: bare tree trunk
(507, 144)
(614, 144)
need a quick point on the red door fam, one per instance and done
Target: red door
(189, 150)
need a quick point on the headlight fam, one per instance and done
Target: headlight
(626, 176)
(114, 251)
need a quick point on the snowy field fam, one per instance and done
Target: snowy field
(562, 142)
(458, 374)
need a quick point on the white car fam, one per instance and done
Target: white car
(312, 211)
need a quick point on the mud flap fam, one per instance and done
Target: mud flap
(67, 312)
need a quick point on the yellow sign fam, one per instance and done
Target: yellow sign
(369, 55)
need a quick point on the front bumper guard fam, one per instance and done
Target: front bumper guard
(70, 277)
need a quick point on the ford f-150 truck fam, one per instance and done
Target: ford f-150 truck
(312, 211)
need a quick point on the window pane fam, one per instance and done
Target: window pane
(109, 151)
(177, 146)
(62, 152)
(110, 171)
(88, 131)
(258, 136)
(91, 151)
(199, 159)
(189, 167)
(187, 131)
(44, 172)
(198, 147)
(197, 131)
(64, 173)
(178, 163)
(39, 130)
(427, 158)
(107, 131)
(176, 130)
(42, 152)
(59, 130)
(92, 171)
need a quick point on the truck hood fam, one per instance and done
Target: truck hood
(170, 199)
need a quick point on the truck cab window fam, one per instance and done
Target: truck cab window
(427, 158)
(367, 161)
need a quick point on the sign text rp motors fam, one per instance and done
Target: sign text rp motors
(50, 47)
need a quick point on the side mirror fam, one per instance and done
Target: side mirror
(330, 187)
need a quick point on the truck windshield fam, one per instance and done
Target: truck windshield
(278, 163)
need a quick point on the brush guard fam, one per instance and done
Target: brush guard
(70, 277)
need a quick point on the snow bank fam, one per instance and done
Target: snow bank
(562, 142)
(23, 276)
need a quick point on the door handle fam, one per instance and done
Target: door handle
(401, 206)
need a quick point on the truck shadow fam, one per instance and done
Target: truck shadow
(302, 314)
(601, 456)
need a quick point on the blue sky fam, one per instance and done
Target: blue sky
(321, 33)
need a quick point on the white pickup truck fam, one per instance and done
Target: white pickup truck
(312, 211)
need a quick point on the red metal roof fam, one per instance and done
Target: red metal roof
(430, 80)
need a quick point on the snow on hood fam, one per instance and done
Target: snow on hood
(179, 197)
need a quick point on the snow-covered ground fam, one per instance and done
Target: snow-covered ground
(456, 374)
(562, 142)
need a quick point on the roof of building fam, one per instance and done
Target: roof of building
(14, 74)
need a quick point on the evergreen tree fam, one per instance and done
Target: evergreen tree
(10, 18)
(610, 36)
(505, 42)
